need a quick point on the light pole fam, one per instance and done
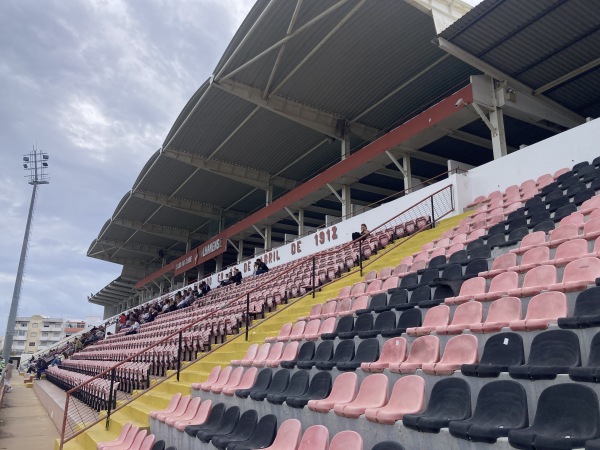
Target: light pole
(36, 165)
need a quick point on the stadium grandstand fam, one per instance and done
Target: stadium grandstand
(465, 316)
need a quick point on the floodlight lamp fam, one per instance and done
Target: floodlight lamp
(24, 166)
(46, 157)
(26, 158)
(44, 164)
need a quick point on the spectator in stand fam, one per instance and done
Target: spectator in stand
(364, 231)
(56, 361)
(227, 280)
(40, 366)
(204, 288)
(122, 321)
(135, 327)
(261, 267)
(78, 345)
(237, 276)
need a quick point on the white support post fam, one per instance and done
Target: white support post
(240, 257)
(498, 136)
(407, 173)
(268, 235)
(219, 260)
(300, 222)
(346, 196)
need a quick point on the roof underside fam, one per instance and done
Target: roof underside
(276, 106)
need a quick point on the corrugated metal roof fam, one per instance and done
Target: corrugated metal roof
(537, 43)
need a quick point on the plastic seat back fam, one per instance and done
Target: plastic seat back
(504, 310)
(467, 313)
(437, 316)
(547, 306)
(410, 319)
(288, 435)
(555, 348)
(460, 350)
(424, 349)
(503, 349)
(346, 440)
(315, 437)
(378, 301)
(385, 321)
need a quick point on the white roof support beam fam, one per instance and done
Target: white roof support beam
(574, 73)
(373, 189)
(315, 119)
(188, 206)
(321, 210)
(142, 249)
(396, 163)
(292, 215)
(338, 196)
(443, 12)
(242, 174)
(555, 113)
(471, 139)
(177, 234)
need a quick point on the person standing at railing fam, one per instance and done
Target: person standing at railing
(364, 231)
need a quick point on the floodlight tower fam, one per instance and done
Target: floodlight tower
(36, 165)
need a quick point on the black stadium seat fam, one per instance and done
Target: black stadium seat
(388, 445)
(376, 301)
(591, 371)
(545, 226)
(262, 382)
(420, 294)
(408, 319)
(567, 415)
(262, 436)
(343, 352)
(159, 445)
(564, 211)
(501, 351)
(306, 353)
(515, 236)
(279, 383)
(397, 297)
(551, 352)
(450, 400)
(496, 240)
(362, 323)
(344, 325)
(384, 321)
(319, 388)
(367, 351)
(226, 425)
(298, 385)
(473, 268)
(324, 352)
(212, 421)
(587, 311)
(242, 432)
(501, 407)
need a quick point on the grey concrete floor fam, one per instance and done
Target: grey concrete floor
(24, 423)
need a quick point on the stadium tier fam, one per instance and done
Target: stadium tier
(455, 305)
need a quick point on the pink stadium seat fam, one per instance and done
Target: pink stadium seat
(544, 180)
(284, 333)
(437, 252)
(494, 195)
(358, 303)
(527, 185)
(261, 354)
(458, 351)
(181, 407)
(371, 275)
(465, 315)
(425, 349)
(591, 229)
(476, 234)
(311, 328)
(500, 286)
(427, 246)
(288, 436)
(559, 172)
(595, 213)
(578, 275)
(315, 437)
(563, 234)
(500, 314)
(146, 444)
(435, 317)
(233, 380)
(495, 217)
(543, 309)
(575, 218)
(248, 357)
(172, 406)
(134, 444)
(468, 291)
(373, 393)
(401, 270)
(290, 352)
(570, 251)
(526, 195)
(327, 326)
(589, 205)
(418, 265)
(390, 283)
(274, 353)
(385, 273)
(190, 412)
(374, 286)
(453, 249)
(223, 378)
(125, 430)
(408, 397)
(246, 382)
(477, 201)
(198, 419)
(408, 260)
(530, 241)
(393, 351)
(532, 258)
(344, 390)
(536, 280)
(500, 264)
(423, 256)
(329, 308)
(315, 312)
(346, 440)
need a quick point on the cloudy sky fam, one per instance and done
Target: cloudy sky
(96, 84)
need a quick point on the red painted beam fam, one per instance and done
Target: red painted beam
(428, 118)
